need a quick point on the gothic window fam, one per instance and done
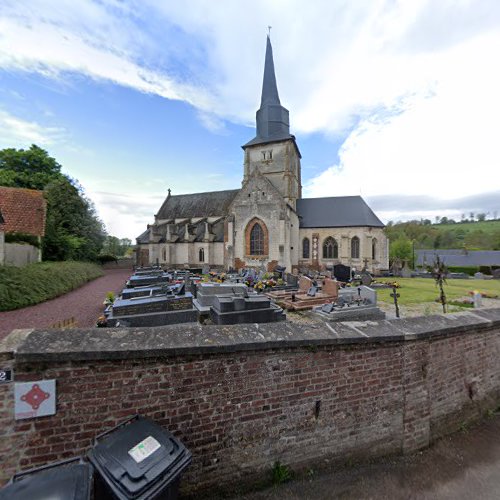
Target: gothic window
(355, 248)
(330, 249)
(257, 240)
(305, 248)
(201, 255)
(374, 249)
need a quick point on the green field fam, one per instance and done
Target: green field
(488, 226)
(421, 290)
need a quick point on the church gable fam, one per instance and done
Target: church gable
(257, 192)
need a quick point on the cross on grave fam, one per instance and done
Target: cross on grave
(395, 296)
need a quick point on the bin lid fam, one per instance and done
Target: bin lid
(134, 457)
(69, 482)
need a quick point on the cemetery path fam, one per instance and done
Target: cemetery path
(83, 304)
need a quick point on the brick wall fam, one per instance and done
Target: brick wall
(240, 399)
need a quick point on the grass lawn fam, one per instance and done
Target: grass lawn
(419, 290)
(488, 226)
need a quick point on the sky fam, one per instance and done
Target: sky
(396, 101)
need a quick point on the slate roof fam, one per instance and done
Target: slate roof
(187, 206)
(338, 211)
(272, 119)
(143, 237)
(23, 210)
(460, 258)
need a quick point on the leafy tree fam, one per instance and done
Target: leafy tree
(481, 217)
(31, 168)
(401, 249)
(73, 231)
(116, 246)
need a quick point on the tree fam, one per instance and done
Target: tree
(31, 168)
(401, 249)
(481, 217)
(73, 231)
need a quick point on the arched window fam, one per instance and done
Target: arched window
(257, 240)
(374, 249)
(201, 255)
(355, 248)
(330, 249)
(164, 253)
(305, 248)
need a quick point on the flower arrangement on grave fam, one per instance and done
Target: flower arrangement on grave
(259, 286)
(110, 298)
(484, 295)
(249, 282)
(102, 322)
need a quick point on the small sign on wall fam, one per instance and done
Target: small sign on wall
(6, 376)
(34, 399)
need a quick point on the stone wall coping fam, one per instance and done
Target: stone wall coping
(195, 339)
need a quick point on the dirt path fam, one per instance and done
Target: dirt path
(83, 304)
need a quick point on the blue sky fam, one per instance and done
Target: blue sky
(396, 101)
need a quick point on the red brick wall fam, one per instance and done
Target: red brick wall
(240, 412)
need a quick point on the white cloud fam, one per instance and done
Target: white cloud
(441, 144)
(16, 132)
(411, 87)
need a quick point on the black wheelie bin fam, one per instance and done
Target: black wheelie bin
(66, 480)
(138, 459)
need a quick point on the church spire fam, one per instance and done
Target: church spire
(269, 87)
(272, 118)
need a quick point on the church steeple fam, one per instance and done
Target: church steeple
(269, 87)
(272, 118)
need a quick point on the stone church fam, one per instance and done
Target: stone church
(266, 223)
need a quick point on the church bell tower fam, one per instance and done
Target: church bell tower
(273, 151)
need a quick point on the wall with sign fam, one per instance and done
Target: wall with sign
(239, 405)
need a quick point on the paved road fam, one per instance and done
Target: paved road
(84, 304)
(465, 466)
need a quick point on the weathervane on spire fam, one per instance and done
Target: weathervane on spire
(269, 31)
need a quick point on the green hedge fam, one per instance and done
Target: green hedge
(471, 270)
(25, 286)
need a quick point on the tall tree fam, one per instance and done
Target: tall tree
(27, 168)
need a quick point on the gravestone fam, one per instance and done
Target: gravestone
(154, 310)
(205, 269)
(342, 273)
(207, 292)
(304, 284)
(496, 274)
(479, 276)
(148, 279)
(352, 304)
(312, 291)
(292, 280)
(232, 310)
(330, 287)
(366, 279)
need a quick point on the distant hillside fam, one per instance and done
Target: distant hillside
(483, 235)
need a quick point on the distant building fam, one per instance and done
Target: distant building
(267, 222)
(459, 257)
(22, 212)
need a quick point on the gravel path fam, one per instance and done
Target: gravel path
(83, 304)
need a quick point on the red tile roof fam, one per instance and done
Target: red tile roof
(23, 211)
